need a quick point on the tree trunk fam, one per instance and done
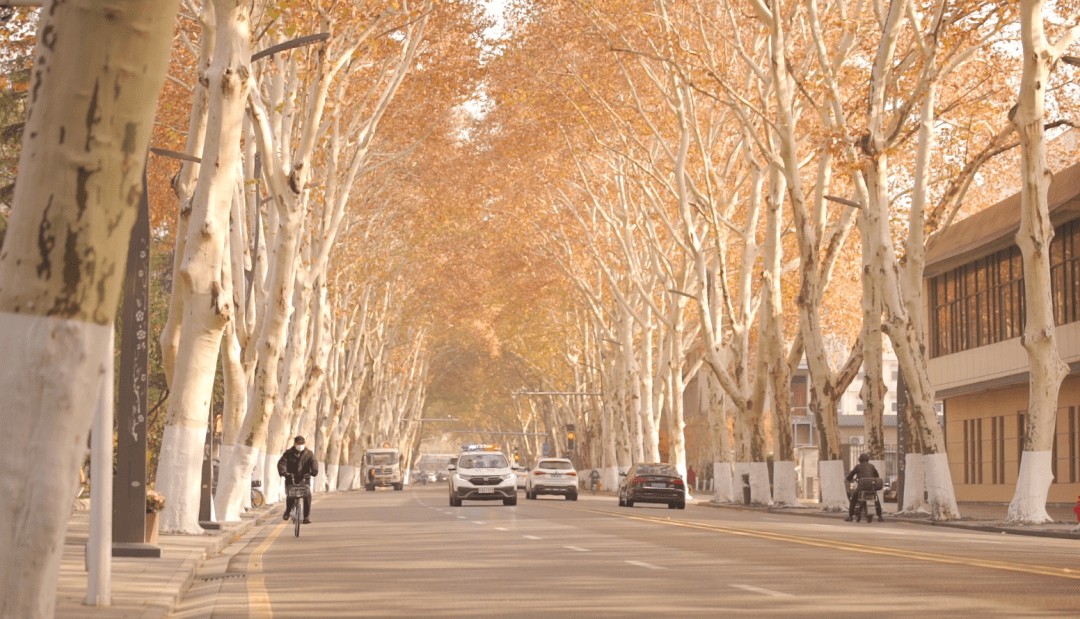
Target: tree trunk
(209, 305)
(1046, 368)
(99, 68)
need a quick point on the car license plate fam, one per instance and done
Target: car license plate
(487, 491)
(658, 485)
(556, 476)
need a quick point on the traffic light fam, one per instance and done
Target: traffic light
(517, 458)
(570, 437)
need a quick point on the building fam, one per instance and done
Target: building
(973, 284)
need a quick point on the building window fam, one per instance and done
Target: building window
(982, 302)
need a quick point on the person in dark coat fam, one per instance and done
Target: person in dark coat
(297, 466)
(862, 470)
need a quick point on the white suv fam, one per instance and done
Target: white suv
(482, 476)
(552, 476)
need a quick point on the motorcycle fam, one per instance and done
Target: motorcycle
(867, 490)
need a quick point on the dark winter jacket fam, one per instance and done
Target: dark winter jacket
(863, 470)
(297, 464)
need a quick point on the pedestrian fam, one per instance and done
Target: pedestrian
(297, 466)
(690, 476)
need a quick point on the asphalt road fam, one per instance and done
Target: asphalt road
(409, 554)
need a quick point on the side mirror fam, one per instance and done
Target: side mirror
(451, 467)
(517, 468)
(622, 474)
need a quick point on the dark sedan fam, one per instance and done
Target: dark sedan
(652, 483)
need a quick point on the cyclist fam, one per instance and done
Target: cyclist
(862, 470)
(297, 466)
(594, 477)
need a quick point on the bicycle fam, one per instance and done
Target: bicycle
(257, 498)
(299, 494)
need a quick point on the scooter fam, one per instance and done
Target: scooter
(868, 491)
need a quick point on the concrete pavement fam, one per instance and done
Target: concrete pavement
(142, 588)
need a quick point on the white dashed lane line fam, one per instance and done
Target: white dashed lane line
(648, 565)
(769, 592)
(531, 537)
(501, 529)
(577, 549)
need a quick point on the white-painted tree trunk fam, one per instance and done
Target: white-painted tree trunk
(760, 492)
(723, 487)
(1028, 505)
(236, 471)
(915, 486)
(98, 69)
(785, 483)
(834, 497)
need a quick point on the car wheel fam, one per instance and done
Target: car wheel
(629, 503)
(573, 497)
(682, 504)
(622, 502)
(398, 486)
(510, 501)
(671, 505)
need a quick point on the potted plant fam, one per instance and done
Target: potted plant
(154, 504)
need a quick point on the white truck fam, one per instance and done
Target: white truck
(382, 467)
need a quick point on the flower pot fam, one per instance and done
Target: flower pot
(151, 534)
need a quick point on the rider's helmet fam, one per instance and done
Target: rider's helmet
(863, 458)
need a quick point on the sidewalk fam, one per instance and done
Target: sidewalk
(989, 517)
(141, 588)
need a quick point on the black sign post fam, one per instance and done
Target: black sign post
(129, 482)
(901, 436)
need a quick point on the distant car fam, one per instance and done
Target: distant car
(522, 477)
(482, 476)
(552, 476)
(891, 488)
(654, 482)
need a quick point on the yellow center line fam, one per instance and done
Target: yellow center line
(258, 597)
(1041, 570)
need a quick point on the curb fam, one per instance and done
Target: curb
(894, 518)
(178, 586)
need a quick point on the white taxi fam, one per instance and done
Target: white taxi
(482, 475)
(552, 476)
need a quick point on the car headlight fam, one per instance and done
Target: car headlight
(459, 477)
(507, 476)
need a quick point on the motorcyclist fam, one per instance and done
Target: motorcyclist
(297, 466)
(862, 470)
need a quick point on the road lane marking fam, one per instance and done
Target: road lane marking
(463, 517)
(775, 594)
(1026, 568)
(479, 522)
(501, 529)
(531, 537)
(773, 519)
(577, 549)
(258, 598)
(648, 565)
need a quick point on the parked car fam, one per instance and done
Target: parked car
(653, 482)
(891, 488)
(552, 476)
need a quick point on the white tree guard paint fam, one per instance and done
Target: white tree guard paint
(834, 497)
(880, 466)
(915, 484)
(318, 484)
(273, 484)
(722, 477)
(939, 485)
(346, 472)
(331, 477)
(609, 478)
(1028, 505)
(46, 372)
(234, 487)
(760, 492)
(784, 484)
(738, 470)
(176, 465)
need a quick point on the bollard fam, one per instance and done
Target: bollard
(746, 489)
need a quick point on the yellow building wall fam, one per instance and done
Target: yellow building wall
(1008, 403)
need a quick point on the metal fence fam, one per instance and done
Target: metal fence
(851, 453)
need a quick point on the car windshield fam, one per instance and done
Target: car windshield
(384, 458)
(482, 461)
(555, 465)
(657, 469)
